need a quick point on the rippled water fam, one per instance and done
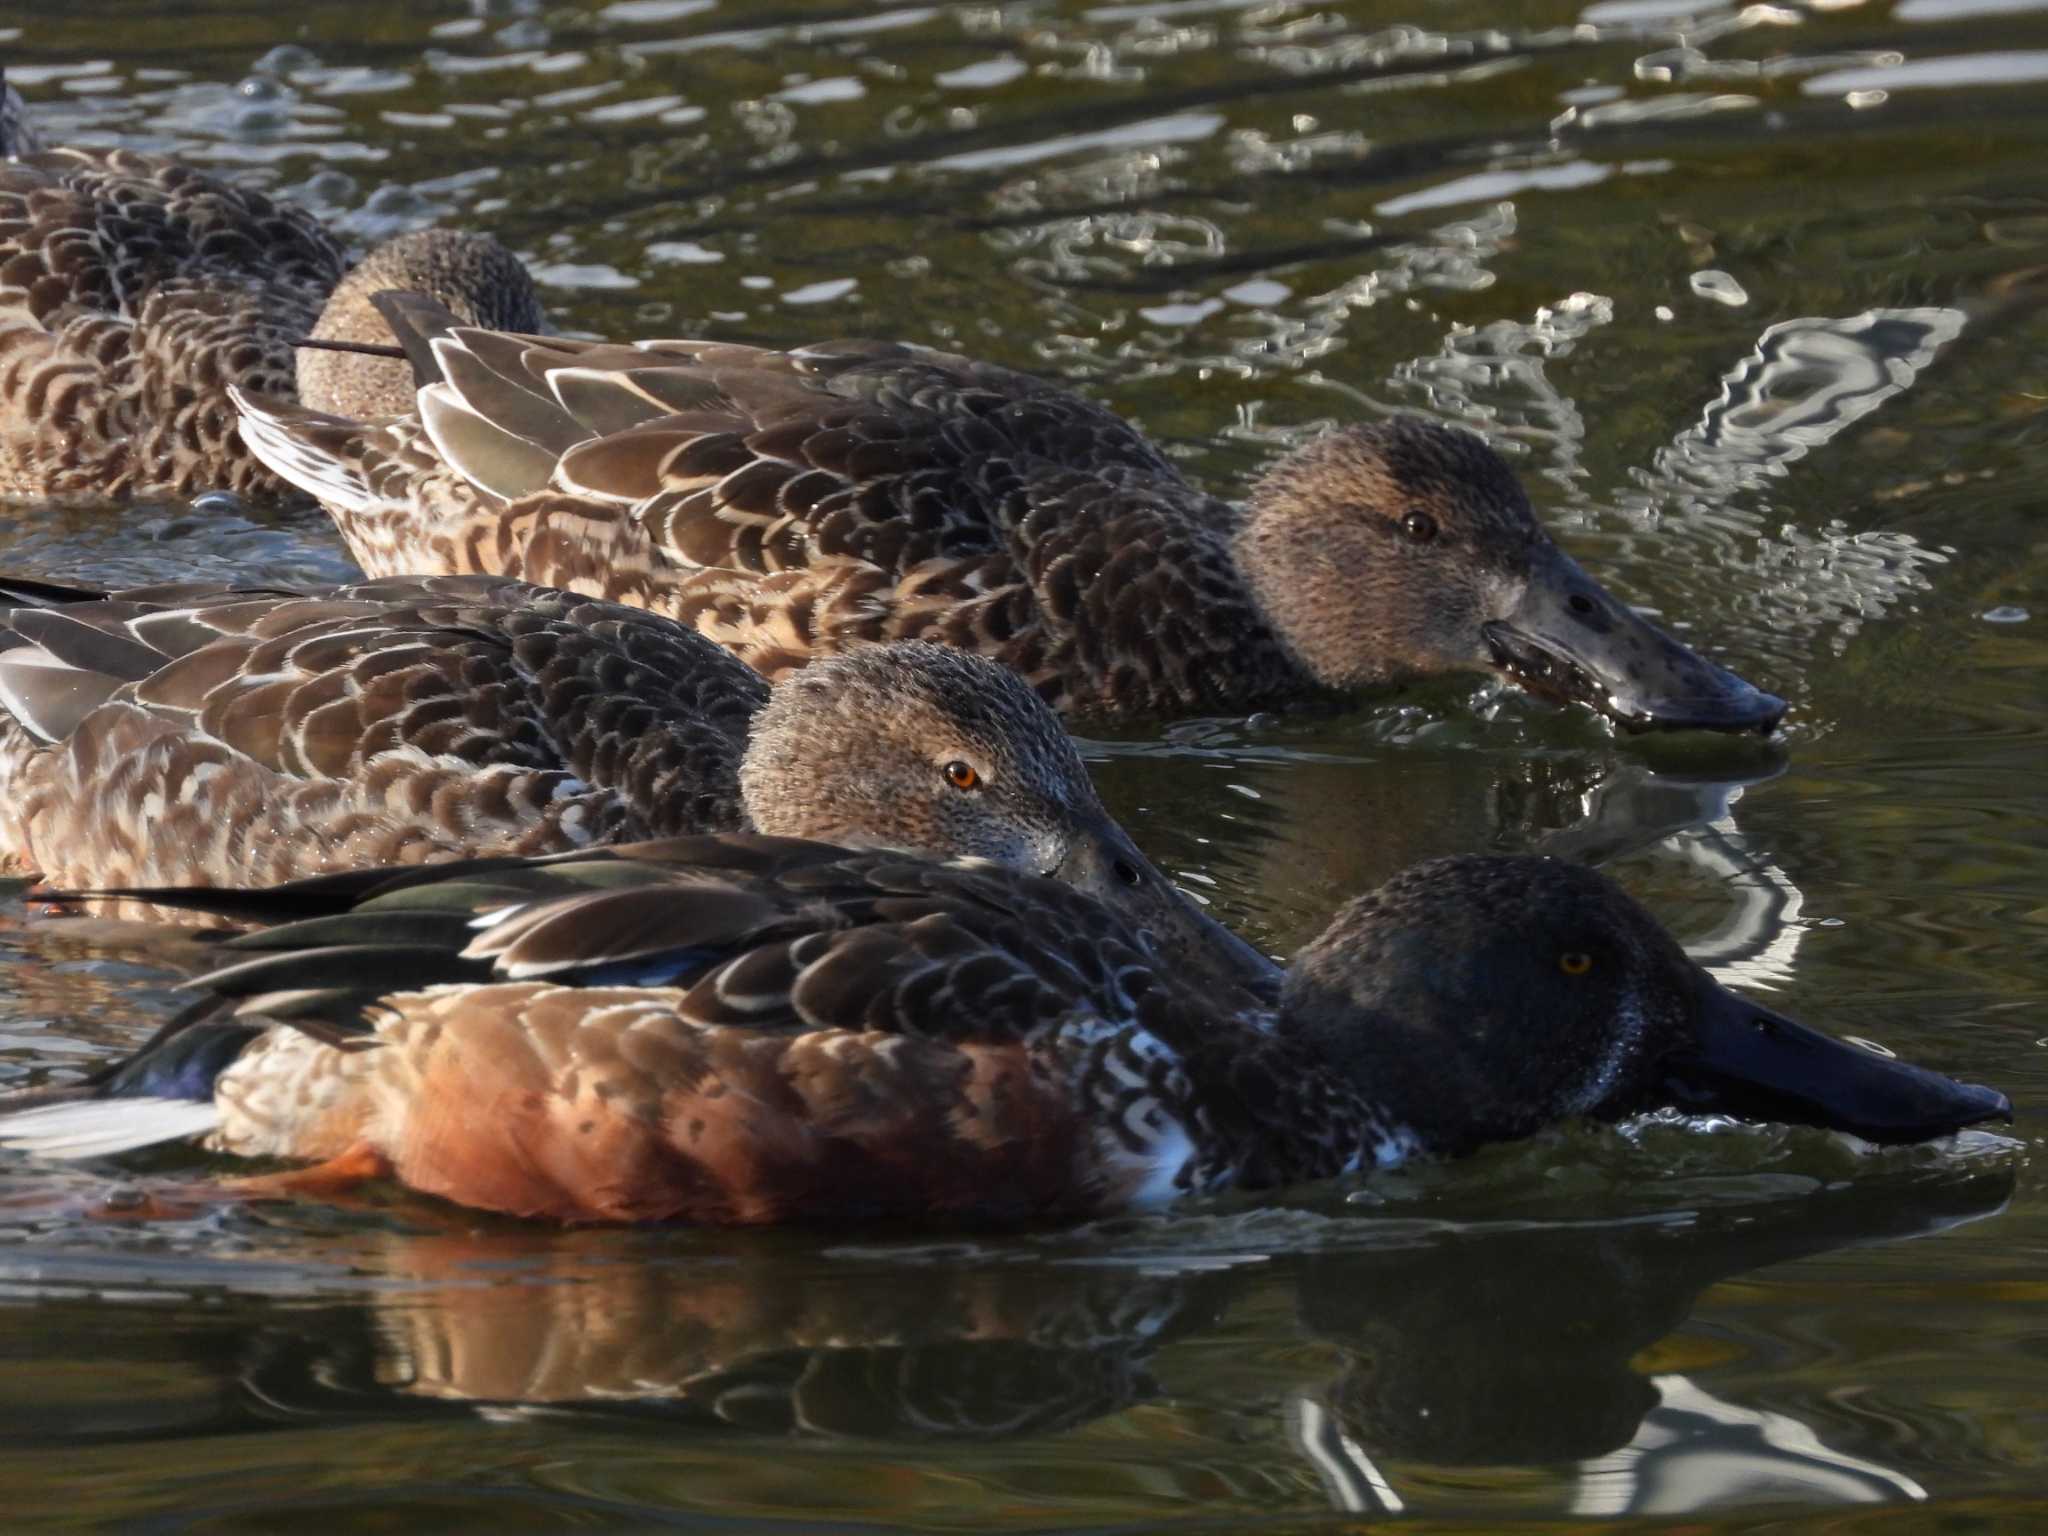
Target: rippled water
(1752, 294)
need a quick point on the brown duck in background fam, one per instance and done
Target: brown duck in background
(134, 291)
(209, 736)
(793, 504)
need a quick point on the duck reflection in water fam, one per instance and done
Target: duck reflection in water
(1498, 1344)
(1516, 1345)
(1311, 819)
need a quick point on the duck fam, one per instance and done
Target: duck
(208, 735)
(135, 291)
(741, 1030)
(793, 503)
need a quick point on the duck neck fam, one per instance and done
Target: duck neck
(1310, 600)
(1180, 629)
(1276, 1112)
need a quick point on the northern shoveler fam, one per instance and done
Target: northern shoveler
(746, 1030)
(219, 736)
(791, 504)
(134, 291)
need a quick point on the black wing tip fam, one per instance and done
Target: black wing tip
(34, 592)
(416, 320)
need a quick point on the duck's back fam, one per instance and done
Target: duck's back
(202, 735)
(795, 504)
(133, 292)
(733, 1030)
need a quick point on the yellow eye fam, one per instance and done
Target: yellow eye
(961, 775)
(1575, 962)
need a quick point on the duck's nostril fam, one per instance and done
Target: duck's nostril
(1126, 871)
(1581, 604)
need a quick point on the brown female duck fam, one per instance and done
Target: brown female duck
(791, 504)
(752, 1030)
(207, 735)
(135, 291)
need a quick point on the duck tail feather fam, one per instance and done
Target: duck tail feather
(32, 592)
(162, 1092)
(97, 1127)
(275, 435)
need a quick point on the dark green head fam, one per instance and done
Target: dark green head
(1481, 999)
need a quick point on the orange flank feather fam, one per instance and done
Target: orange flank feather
(596, 1104)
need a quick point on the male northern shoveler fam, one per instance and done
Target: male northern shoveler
(134, 291)
(746, 1030)
(220, 736)
(791, 504)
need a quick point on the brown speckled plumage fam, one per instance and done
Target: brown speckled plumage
(748, 1030)
(215, 736)
(209, 736)
(135, 290)
(805, 502)
(793, 504)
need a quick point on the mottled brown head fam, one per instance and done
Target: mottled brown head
(480, 281)
(1405, 549)
(1479, 999)
(940, 752)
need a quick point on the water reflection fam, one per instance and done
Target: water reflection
(1521, 1346)
(1805, 383)
(1309, 816)
(1695, 1452)
(1496, 1343)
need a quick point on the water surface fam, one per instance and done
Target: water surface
(1752, 297)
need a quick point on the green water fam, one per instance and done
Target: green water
(1752, 296)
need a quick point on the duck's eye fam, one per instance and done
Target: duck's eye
(1575, 962)
(1418, 527)
(961, 775)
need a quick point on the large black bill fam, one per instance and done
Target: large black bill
(1570, 639)
(1760, 1065)
(1106, 863)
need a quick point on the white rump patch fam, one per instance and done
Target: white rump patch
(102, 1127)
